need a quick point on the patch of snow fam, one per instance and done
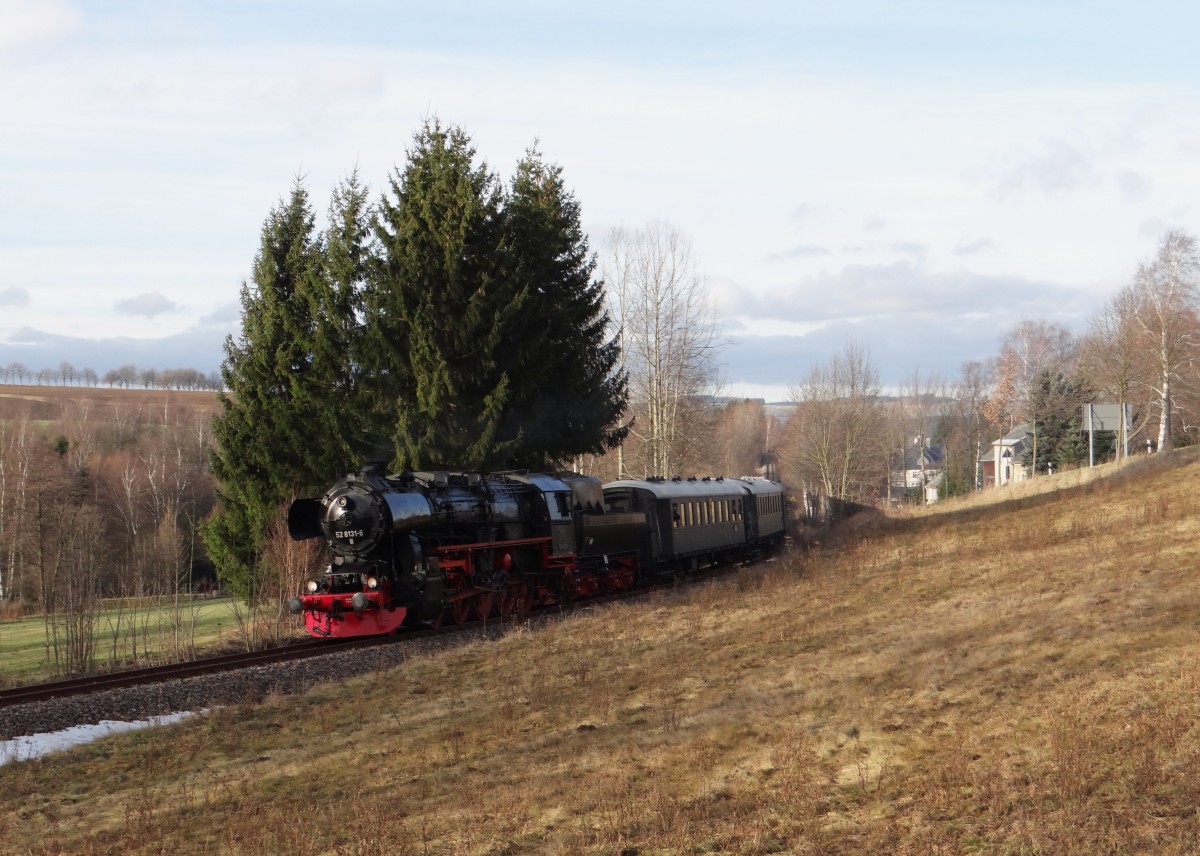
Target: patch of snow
(37, 745)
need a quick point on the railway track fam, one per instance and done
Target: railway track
(173, 671)
(298, 650)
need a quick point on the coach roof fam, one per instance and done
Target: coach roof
(708, 488)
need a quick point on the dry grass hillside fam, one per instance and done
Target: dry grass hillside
(1014, 677)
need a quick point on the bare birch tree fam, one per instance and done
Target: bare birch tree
(970, 423)
(1027, 351)
(1167, 294)
(1114, 358)
(669, 339)
(740, 439)
(838, 436)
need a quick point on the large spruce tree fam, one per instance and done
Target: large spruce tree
(486, 331)
(568, 393)
(453, 326)
(340, 426)
(263, 444)
(436, 308)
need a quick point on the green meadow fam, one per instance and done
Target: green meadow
(129, 633)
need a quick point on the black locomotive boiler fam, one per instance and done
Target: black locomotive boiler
(451, 546)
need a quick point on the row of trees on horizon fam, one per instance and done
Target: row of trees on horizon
(126, 376)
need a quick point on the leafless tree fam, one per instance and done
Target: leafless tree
(66, 373)
(911, 422)
(740, 439)
(669, 339)
(1115, 360)
(837, 432)
(1027, 351)
(16, 372)
(1166, 296)
(969, 422)
(17, 472)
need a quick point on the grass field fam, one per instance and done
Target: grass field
(48, 402)
(145, 634)
(1015, 676)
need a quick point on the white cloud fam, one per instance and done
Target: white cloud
(971, 248)
(147, 305)
(30, 23)
(1058, 169)
(225, 316)
(903, 288)
(14, 297)
(800, 251)
(1134, 185)
(341, 80)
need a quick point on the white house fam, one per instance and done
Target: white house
(924, 467)
(1001, 464)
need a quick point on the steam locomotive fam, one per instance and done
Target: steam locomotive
(431, 547)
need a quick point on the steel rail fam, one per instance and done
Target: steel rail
(318, 647)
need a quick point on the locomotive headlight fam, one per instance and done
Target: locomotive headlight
(311, 586)
(372, 583)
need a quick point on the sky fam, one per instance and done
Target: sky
(912, 177)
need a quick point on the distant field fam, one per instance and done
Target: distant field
(208, 624)
(47, 402)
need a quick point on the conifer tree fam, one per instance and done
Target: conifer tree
(485, 330)
(436, 308)
(263, 445)
(341, 431)
(568, 393)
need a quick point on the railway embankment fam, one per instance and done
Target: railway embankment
(1014, 674)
